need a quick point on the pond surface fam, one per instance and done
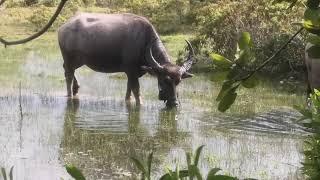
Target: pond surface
(42, 130)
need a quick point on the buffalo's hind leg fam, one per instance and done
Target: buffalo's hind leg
(69, 75)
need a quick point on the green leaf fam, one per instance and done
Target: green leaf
(197, 155)
(139, 165)
(244, 41)
(252, 82)
(4, 174)
(314, 51)
(212, 173)
(182, 174)
(188, 156)
(75, 172)
(221, 61)
(226, 87)
(314, 39)
(194, 171)
(312, 20)
(227, 100)
(149, 164)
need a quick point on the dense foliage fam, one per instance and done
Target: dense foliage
(216, 24)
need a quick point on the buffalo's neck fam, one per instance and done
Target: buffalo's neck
(160, 53)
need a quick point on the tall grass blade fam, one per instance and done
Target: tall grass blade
(4, 174)
(149, 164)
(197, 155)
(11, 173)
(139, 165)
(195, 172)
(188, 156)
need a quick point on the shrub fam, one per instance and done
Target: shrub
(219, 23)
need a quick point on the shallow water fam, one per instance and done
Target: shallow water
(41, 130)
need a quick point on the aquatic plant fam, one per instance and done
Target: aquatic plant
(4, 174)
(192, 171)
(311, 119)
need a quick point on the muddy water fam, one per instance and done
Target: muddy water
(41, 130)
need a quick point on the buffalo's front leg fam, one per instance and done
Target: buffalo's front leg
(133, 85)
(75, 85)
(128, 93)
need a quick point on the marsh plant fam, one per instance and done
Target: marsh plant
(5, 175)
(191, 172)
(311, 119)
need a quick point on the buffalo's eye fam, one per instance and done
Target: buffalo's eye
(168, 79)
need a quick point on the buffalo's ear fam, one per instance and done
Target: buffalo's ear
(150, 70)
(186, 75)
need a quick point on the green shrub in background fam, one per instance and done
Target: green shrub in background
(219, 24)
(42, 14)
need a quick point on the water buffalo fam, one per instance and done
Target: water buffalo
(313, 70)
(120, 43)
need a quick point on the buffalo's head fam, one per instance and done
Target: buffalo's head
(169, 76)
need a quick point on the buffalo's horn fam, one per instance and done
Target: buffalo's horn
(153, 62)
(188, 63)
(191, 50)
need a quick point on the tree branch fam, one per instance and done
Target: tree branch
(2, 1)
(43, 30)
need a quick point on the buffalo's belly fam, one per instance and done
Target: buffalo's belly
(105, 64)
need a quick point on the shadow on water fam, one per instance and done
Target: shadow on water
(98, 132)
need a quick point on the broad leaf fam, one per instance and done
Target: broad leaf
(227, 100)
(75, 172)
(220, 61)
(312, 21)
(252, 82)
(226, 87)
(212, 173)
(244, 41)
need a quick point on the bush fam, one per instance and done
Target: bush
(42, 14)
(219, 24)
(31, 2)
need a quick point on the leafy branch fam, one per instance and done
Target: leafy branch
(268, 60)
